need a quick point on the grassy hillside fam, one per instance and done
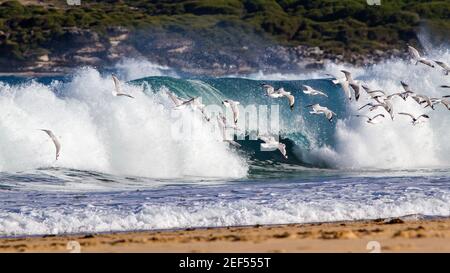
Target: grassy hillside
(336, 26)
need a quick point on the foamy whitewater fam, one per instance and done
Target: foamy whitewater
(123, 166)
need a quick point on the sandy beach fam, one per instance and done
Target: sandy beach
(391, 235)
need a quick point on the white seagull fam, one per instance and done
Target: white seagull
(288, 95)
(444, 66)
(116, 91)
(270, 91)
(374, 94)
(308, 90)
(419, 59)
(415, 120)
(344, 84)
(354, 84)
(55, 141)
(279, 93)
(317, 109)
(387, 105)
(222, 122)
(234, 107)
(270, 143)
(372, 120)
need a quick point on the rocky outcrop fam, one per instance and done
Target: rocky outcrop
(185, 53)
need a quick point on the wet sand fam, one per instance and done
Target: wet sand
(389, 235)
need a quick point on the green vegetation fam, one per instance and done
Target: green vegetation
(337, 26)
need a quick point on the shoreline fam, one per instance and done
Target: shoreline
(392, 235)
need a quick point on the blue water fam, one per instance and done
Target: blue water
(119, 171)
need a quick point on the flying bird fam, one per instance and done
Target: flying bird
(344, 84)
(222, 122)
(288, 95)
(308, 90)
(354, 84)
(116, 91)
(234, 107)
(270, 91)
(419, 59)
(374, 94)
(415, 120)
(55, 141)
(317, 109)
(270, 143)
(372, 120)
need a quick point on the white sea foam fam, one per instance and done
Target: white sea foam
(201, 214)
(101, 132)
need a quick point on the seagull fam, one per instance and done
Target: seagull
(442, 100)
(444, 66)
(116, 91)
(317, 109)
(270, 143)
(387, 105)
(371, 104)
(234, 107)
(374, 94)
(55, 141)
(416, 56)
(344, 84)
(270, 91)
(421, 99)
(288, 95)
(308, 90)
(354, 84)
(371, 120)
(222, 122)
(279, 93)
(175, 99)
(415, 120)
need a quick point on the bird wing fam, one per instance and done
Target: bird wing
(235, 109)
(346, 89)
(282, 149)
(407, 114)
(446, 103)
(176, 100)
(348, 75)
(116, 89)
(406, 86)
(356, 89)
(445, 86)
(426, 62)
(125, 95)
(365, 105)
(291, 99)
(423, 116)
(414, 52)
(443, 65)
(55, 141)
(379, 115)
(269, 89)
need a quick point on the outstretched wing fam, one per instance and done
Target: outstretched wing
(55, 141)
(414, 52)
